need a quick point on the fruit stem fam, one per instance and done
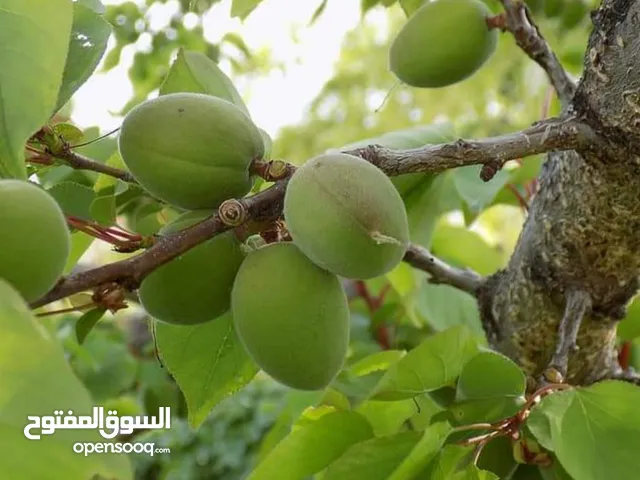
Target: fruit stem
(521, 199)
(97, 139)
(382, 334)
(624, 356)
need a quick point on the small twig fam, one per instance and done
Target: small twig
(94, 140)
(518, 21)
(441, 272)
(79, 308)
(564, 133)
(80, 162)
(521, 200)
(578, 304)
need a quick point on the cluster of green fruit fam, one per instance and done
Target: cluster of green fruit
(34, 240)
(290, 311)
(442, 43)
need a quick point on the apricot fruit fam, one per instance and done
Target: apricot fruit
(35, 240)
(291, 316)
(346, 216)
(404, 139)
(190, 150)
(196, 286)
(442, 43)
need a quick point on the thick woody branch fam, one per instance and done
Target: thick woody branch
(80, 162)
(549, 135)
(130, 272)
(267, 205)
(442, 273)
(518, 21)
(578, 304)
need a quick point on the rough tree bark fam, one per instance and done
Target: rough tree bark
(583, 229)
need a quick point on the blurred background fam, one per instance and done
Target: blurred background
(315, 76)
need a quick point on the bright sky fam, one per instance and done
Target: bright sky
(275, 100)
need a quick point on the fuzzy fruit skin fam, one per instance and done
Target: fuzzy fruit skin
(35, 240)
(291, 316)
(196, 286)
(334, 204)
(189, 149)
(442, 43)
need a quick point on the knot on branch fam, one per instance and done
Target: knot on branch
(232, 212)
(110, 296)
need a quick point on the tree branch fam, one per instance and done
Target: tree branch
(80, 162)
(578, 304)
(518, 21)
(563, 133)
(442, 273)
(560, 133)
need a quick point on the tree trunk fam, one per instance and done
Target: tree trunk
(583, 229)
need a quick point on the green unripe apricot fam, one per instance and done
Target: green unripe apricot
(291, 316)
(196, 286)
(34, 243)
(442, 43)
(190, 150)
(346, 216)
(405, 139)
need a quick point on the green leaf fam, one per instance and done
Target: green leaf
(549, 412)
(242, 8)
(474, 473)
(207, 361)
(68, 132)
(103, 207)
(366, 5)
(310, 448)
(95, 5)
(237, 41)
(629, 328)
(465, 248)
(484, 409)
(89, 36)
(473, 190)
(106, 367)
(34, 36)
(195, 72)
(373, 459)
(490, 374)
(426, 449)
(86, 322)
(318, 12)
(426, 203)
(376, 361)
(105, 181)
(74, 199)
(410, 6)
(80, 243)
(386, 418)
(436, 362)
(597, 430)
(444, 306)
(446, 462)
(36, 380)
